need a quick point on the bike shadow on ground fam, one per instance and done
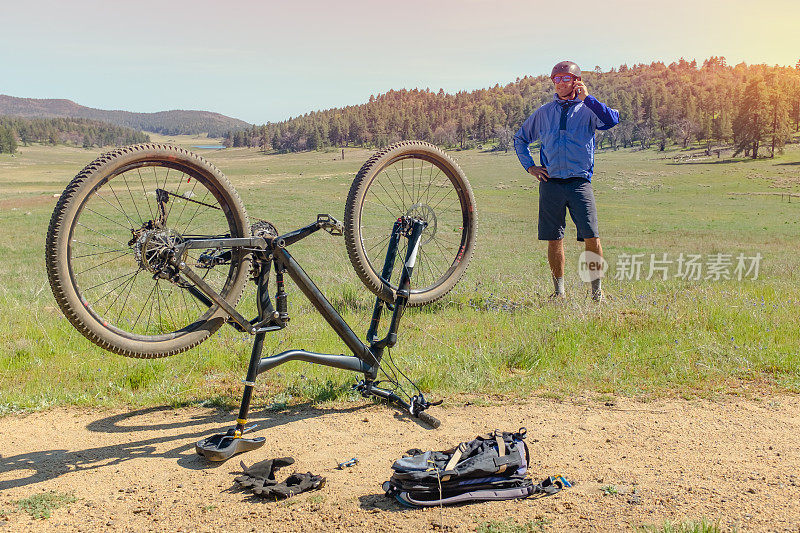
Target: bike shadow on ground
(50, 464)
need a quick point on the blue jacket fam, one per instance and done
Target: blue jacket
(566, 129)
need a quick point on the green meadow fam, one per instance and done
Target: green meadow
(496, 334)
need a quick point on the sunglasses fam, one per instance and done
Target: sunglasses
(566, 78)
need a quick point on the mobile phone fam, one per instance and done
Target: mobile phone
(575, 91)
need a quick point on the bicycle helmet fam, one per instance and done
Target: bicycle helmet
(566, 67)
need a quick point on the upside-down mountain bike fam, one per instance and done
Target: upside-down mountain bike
(149, 249)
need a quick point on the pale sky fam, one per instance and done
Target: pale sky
(267, 60)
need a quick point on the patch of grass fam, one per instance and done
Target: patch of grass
(609, 490)
(605, 399)
(512, 526)
(220, 402)
(702, 526)
(352, 299)
(319, 391)
(280, 401)
(40, 505)
(141, 376)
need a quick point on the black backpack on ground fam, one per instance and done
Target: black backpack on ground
(489, 467)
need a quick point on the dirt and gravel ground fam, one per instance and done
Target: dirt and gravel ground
(734, 460)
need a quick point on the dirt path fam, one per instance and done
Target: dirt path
(736, 461)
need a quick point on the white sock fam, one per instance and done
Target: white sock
(597, 285)
(558, 284)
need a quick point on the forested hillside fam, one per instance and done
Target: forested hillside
(756, 107)
(177, 122)
(74, 131)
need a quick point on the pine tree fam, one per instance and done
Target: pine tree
(4, 143)
(751, 123)
(778, 102)
(795, 103)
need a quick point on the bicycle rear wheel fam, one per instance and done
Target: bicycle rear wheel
(416, 179)
(106, 247)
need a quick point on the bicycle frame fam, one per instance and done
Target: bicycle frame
(267, 252)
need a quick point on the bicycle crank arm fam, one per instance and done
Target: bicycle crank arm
(216, 298)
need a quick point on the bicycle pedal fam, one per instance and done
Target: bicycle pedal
(330, 224)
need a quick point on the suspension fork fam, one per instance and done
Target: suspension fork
(386, 274)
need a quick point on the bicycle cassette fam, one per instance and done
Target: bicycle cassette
(264, 229)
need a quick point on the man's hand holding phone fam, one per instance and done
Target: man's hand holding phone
(580, 90)
(539, 172)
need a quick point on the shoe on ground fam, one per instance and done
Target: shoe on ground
(557, 296)
(598, 296)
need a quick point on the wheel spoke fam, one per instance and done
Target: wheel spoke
(101, 253)
(430, 182)
(128, 228)
(397, 193)
(388, 195)
(196, 212)
(382, 205)
(101, 233)
(178, 188)
(126, 283)
(97, 300)
(144, 192)
(106, 282)
(125, 179)
(122, 209)
(401, 173)
(125, 303)
(379, 243)
(146, 300)
(190, 194)
(101, 264)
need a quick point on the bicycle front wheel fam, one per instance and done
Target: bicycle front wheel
(111, 234)
(414, 179)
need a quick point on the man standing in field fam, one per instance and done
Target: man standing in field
(566, 129)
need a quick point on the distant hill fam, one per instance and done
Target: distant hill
(70, 131)
(176, 122)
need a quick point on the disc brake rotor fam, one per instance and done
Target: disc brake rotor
(425, 213)
(153, 248)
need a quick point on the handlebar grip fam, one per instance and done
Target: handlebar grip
(432, 421)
